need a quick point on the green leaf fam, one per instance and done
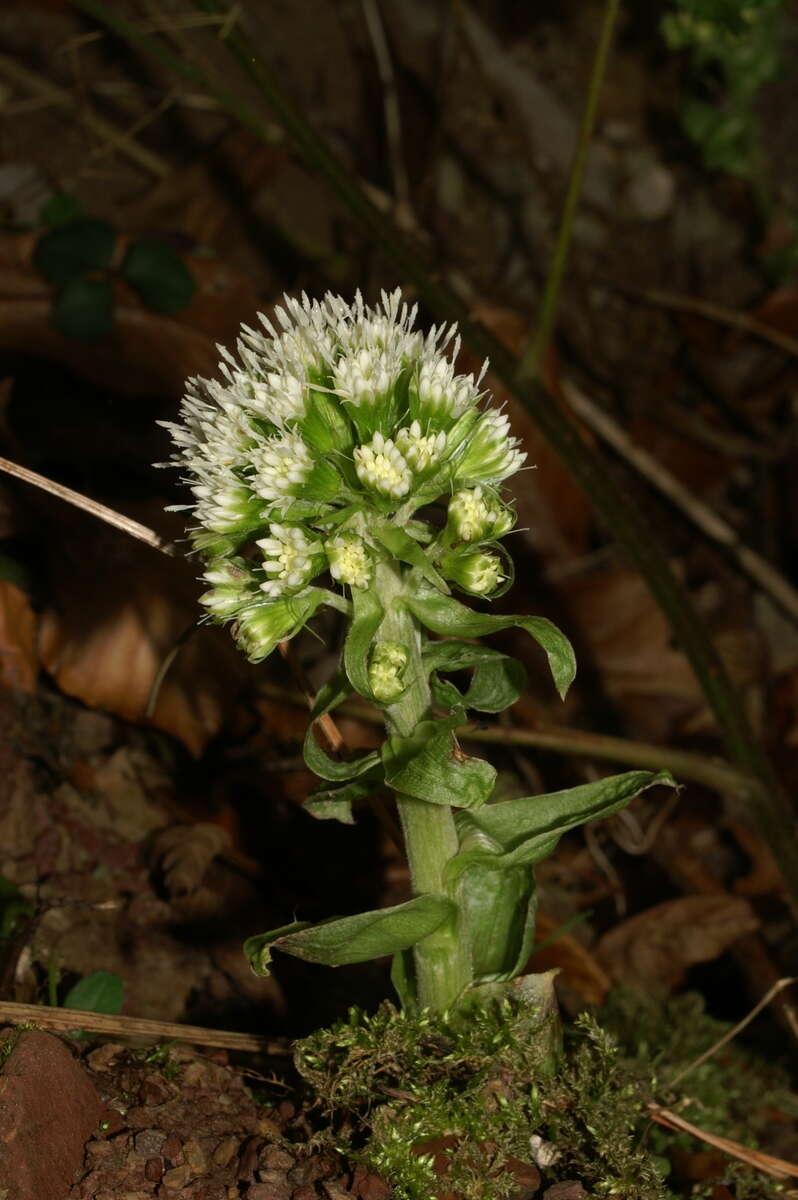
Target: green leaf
(429, 766)
(406, 550)
(60, 209)
(100, 992)
(498, 679)
(13, 907)
(318, 761)
(84, 309)
(325, 426)
(13, 571)
(335, 803)
(367, 615)
(158, 274)
(73, 249)
(498, 908)
(353, 939)
(526, 830)
(447, 616)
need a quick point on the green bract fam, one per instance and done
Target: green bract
(341, 460)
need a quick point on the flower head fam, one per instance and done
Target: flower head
(478, 572)
(386, 667)
(329, 422)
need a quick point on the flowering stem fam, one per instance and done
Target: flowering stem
(441, 960)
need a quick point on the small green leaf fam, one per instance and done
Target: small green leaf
(13, 571)
(73, 249)
(406, 550)
(13, 907)
(100, 992)
(498, 679)
(318, 761)
(84, 309)
(159, 275)
(447, 616)
(60, 209)
(367, 615)
(429, 766)
(326, 427)
(335, 803)
(353, 939)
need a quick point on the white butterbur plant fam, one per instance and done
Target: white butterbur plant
(342, 460)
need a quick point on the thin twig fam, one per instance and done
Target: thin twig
(390, 101)
(776, 1167)
(713, 312)
(53, 94)
(532, 357)
(752, 564)
(163, 1031)
(779, 986)
(119, 521)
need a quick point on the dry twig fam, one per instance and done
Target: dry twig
(64, 1019)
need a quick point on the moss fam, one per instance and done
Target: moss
(472, 1093)
(390, 1082)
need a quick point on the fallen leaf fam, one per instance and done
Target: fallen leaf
(654, 949)
(19, 666)
(118, 610)
(580, 973)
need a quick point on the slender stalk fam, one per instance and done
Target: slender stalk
(619, 511)
(441, 960)
(532, 358)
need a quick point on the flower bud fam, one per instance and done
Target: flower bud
(478, 572)
(421, 453)
(474, 516)
(490, 454)
(386, 667)
(232, 588)
(260, 627)
(349, 560)
(382, 468)
(290, 559)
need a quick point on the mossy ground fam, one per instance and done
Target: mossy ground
(389, 1082)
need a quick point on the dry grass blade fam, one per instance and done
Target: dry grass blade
(101, 511)
(751, 563)
(66, 1019)
(777, 1167)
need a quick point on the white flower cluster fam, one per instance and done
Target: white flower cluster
(331, 419)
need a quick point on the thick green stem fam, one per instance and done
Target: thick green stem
(442, 961)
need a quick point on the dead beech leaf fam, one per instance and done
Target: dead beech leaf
(654, 949)
(184, 853)
(19, 664)
(117, 610)
(579, 970)
(630, 639)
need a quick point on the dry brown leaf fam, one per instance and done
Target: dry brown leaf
(19, 665)
(118, 609)
(184, 853)
(580, 973)
(654, 949)
(630, 639)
